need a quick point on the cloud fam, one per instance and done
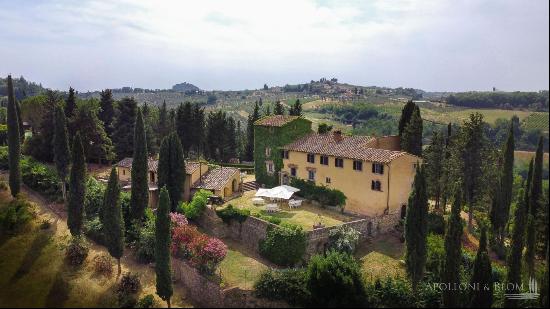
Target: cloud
(430, 44)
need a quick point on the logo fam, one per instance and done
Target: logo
(532, 294)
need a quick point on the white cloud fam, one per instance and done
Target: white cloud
(429, 44)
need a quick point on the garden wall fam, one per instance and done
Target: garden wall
(207, 292)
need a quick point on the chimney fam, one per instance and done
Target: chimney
(337, 135)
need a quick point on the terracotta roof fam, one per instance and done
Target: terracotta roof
(153, 165)
(351, 147)
(216, 178)
(275, 120)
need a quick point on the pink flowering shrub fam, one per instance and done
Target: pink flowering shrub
(177, 219)
(202, 251)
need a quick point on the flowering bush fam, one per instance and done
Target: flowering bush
(177, 219)
(202, 251)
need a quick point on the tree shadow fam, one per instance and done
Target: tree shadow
(42, 239)
(59, 292)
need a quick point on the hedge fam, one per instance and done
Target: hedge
(288, 284)
(321, 194)
(284, 245)
(194, 209)
(230, 213)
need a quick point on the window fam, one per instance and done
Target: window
(267, 152)
(269, 167)
(339, 162)
(357, 165)
(293, 171)
(310, 158)
(328, 180)
(311, 175)
(124, 172)
(324, 160)
(378, 168)
(376, 185)
(152, 176)
(284, 154)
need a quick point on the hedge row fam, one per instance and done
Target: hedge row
(321, 194)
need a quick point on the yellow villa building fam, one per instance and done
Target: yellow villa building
(373, 173)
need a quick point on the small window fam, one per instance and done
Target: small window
(284, 154)
(358, 165)
(310, 158)
(269, 167)
(328, 180)
(293, 171)
(152, 176)
(268, 152)
(311, 175)
(339, 162)
(324, 160)
(124, 172)
(376, 185)
(378, 168)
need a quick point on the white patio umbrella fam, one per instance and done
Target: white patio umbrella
(283, 192)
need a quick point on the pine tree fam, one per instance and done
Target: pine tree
(231, 140)
(98, 146)
(164, 123)
(435, 160)
(500, 212)
(514, 263)
(162, 248)
(14, 142)
(70, 103)
(140, 187)
(249, 156)
(296, 109)
(62, 155)
(411, 139)
(279, 108)
(107, 111)
(113, 226)
(198, 130)
(171, 168)
(152, 148)
(184, 125)
(535, 195)
(124, 128)
(453, 253)
(416, 229)
(482, 276)
(77, 188)
(406, 115)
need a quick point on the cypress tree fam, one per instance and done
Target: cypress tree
(107, 111)
(140, 187)
(124, 128)
(198, 130)
(20, 121)
(416, 229)
(296, 109)
(162, 248)
(411, 139)
(164, 123)
(77, 188)
(435, 159)
(14, 142)
(533, 207)
(184, 125)
(70, 103)
(111, 217)
(171, 168)
(445, 191)
(279, 108)
(482, 297)
(406, 114)
(61, 152)
(514, 264)
(249, 156)
(453, 253)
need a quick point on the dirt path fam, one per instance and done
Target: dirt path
(55, 214)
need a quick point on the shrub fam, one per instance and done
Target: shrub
(94, 230)
(77, 252)
(343, 239)
(284, 245)
(93, 200)
(230, 213)
(45, 224)
(270, 219)
(103, 265)
(16, 215)
(336, 280)
(435, 255)
(289, 285)
(3, 185)
(145, 244)
(40, 177)
(390, 293)
(177, 219)
(321, 194)
(194, 209)
(436, 223)
(181, 239)
(147, 301)
(127, 289)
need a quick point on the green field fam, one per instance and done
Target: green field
(536, 121)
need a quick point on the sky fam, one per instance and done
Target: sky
(434, 45)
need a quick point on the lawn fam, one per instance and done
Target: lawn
(240, 267)
(305, 216)
(381, 257)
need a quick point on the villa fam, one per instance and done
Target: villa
(373, 172)
(221, 181)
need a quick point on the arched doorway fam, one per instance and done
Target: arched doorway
(235, 185)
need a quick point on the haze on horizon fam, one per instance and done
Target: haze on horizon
(433, 45)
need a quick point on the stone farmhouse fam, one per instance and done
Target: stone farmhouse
(373, 172)
(221, 181)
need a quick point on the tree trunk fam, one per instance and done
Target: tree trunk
(119, 268)
(470, 217)
(168, 303)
